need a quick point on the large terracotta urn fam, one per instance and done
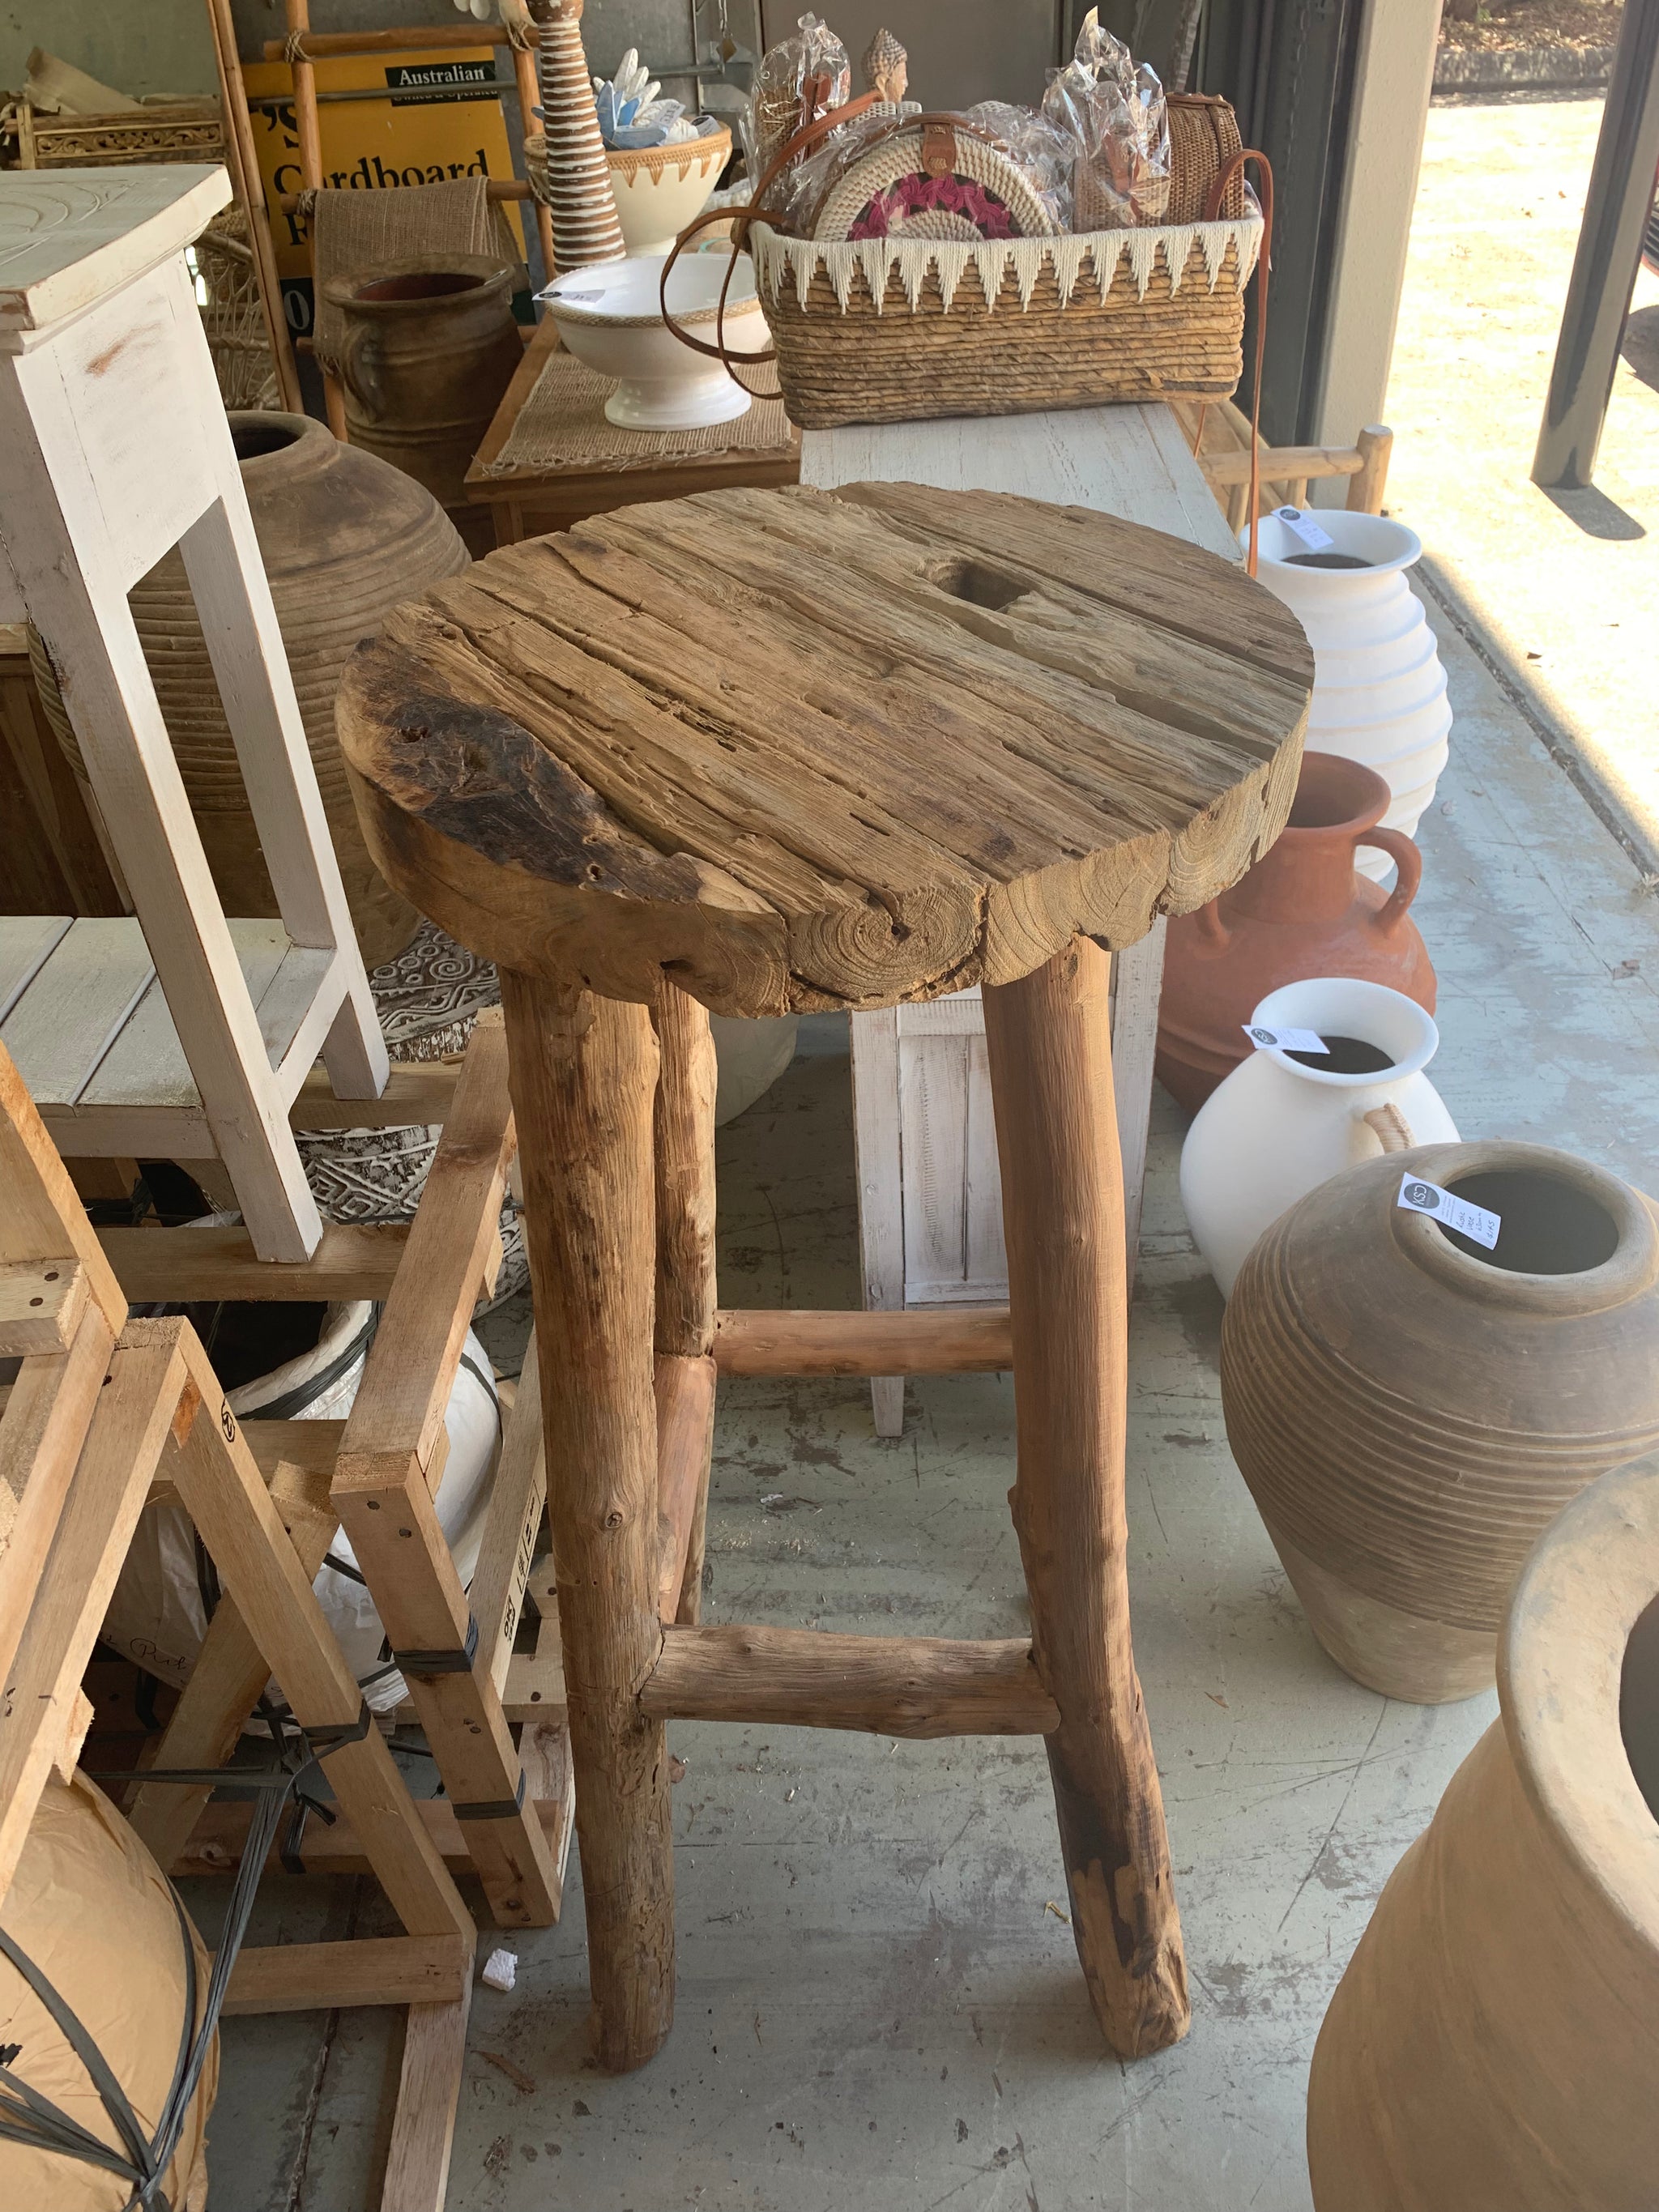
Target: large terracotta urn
(430, 348)
(1411, 1410)
(344, 539)
(98, 1922)
(1302, 910)
(1379, 691)
(1491, 2046)
(1287, 1119)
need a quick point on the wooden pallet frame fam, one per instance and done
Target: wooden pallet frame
(376, 1476)
(105, 1406)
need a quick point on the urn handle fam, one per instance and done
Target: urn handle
(1403, 851)
(357, 371)
(1392, 1131)
(1214, 936)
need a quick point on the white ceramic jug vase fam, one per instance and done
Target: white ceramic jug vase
(1279, 1126)
(1379, 690)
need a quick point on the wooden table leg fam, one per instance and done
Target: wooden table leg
(1062, 1203)
(583, 1073)
(685, 1149)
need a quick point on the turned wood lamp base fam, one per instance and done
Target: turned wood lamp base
(756, 750)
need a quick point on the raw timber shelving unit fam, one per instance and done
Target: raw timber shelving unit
(105, 1408)
(507, 1809)
(303, 48)
(756, 750)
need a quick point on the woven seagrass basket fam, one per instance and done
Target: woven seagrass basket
(885, 331)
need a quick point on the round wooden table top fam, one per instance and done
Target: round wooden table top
(799, 750)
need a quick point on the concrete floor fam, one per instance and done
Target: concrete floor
(1562, 586)
(878, 2002)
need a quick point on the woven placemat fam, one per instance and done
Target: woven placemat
(562, 426)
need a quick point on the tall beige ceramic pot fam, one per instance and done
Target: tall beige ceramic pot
(1410, 1411)
(1491, 2046)
(344, 537)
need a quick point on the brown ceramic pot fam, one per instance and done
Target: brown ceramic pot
(344, 538)
(1302, 910)
(430, 347)
(1410, 1411)
(1490, 2048)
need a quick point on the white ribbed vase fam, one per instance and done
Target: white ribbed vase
(1379, 690)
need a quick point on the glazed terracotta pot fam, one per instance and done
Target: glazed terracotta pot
(344, 538)
(1379, 690)
(430, 348)
(1410, 1411)
(1284, 1123)
(1490, 2048)
(1302, 910)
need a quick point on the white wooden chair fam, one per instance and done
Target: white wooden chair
(114, 448)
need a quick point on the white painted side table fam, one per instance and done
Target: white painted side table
(114, 448)
(930, 1196)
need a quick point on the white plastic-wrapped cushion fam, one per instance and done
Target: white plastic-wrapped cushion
(157, 1615)
(91, 1910)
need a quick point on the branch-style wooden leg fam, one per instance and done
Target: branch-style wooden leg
(685, 1154)
(584, 1079)
(1062, 1202)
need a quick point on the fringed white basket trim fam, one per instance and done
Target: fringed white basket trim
(781, 261)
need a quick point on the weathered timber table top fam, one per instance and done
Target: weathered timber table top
(802, 750)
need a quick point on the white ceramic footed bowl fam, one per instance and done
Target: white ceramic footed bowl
(610, 317)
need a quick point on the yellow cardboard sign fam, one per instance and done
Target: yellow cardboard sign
(420, 134)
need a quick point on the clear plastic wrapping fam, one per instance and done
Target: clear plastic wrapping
(1114, 115)
(798, 80)
(1042, 149)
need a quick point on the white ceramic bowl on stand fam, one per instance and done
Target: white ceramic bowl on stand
(1379, 690)
(610, 317)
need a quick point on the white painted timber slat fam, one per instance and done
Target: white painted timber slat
(145, 1067)
(68, 236)
(61, 1028)
(24, 941)
(922, 1100)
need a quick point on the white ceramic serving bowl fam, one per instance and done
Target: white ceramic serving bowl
(660, 189)
(609, 316)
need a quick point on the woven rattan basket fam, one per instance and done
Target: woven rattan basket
(881, 330)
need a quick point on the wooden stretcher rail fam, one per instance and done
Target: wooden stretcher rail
(387, 1970)
(899, 1685)
(217, 1840)
(938, 1340)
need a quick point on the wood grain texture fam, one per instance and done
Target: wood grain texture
(684, 1151)
(799, 750)
(429, 2091)
(954, 1340)
(384, 1970)
(352, 1260)
(218, 1837)
(685, 1439)
(1051, 1075)
(583, 1079)
(899, 1685)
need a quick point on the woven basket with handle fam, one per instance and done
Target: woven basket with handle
(904, 328)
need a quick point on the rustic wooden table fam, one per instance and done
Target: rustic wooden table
(554, 400)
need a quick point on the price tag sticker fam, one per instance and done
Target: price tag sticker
(1301, 524)
(1265, 1040)
(1419, 1197)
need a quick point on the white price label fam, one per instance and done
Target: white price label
(1419, 1197)
(1300, 523)
(1265, 1039)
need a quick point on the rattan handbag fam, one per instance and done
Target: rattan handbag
(906, 326)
